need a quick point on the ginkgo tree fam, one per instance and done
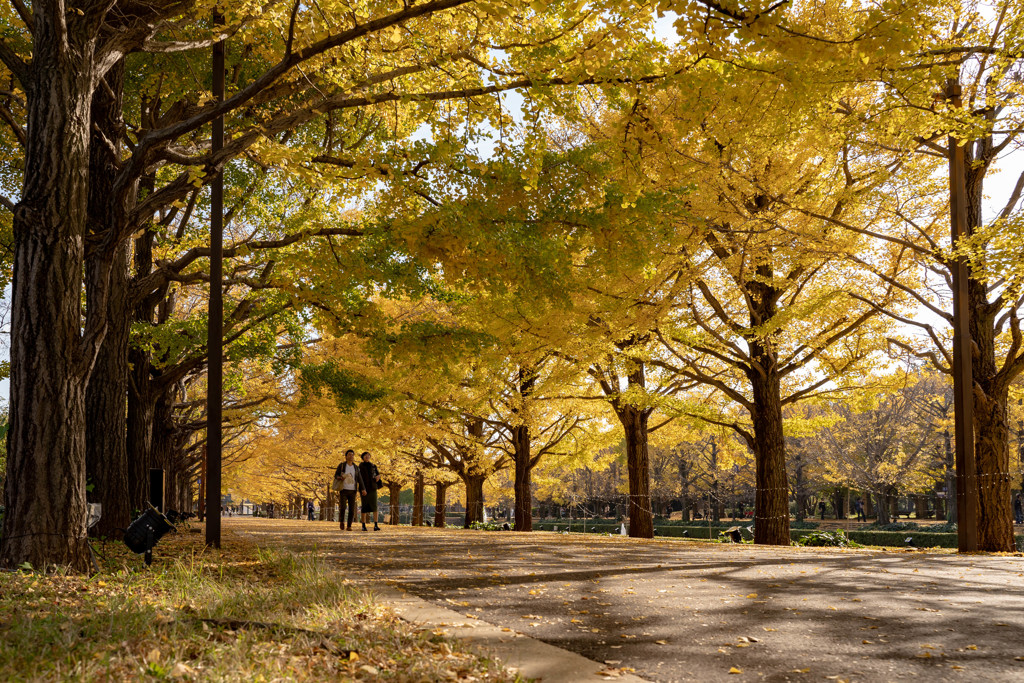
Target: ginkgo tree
(84, 169)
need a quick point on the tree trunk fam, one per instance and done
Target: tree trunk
(868, 504)
(992, 452)
(394, 502)
(882, 509)
(634, 423)
(106, 285)
(524, 468)
(921, 507)
(800, 487)
(951, 509)
(106, 396)
(417, 500)
(45, 517)
(141, 419)
(991, 386)
(474, 498)
(440, 504)
(771, 502)
(684, 488)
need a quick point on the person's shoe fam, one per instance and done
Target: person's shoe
(376, 528)
(349, 527)
(364, 527)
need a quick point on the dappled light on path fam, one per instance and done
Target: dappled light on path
(684, 610)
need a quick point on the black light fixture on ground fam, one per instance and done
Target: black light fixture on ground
(215, 341)
(142, 534)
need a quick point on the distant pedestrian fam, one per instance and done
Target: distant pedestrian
(859, 507)
(1018, 509)
(821, 508)
(370, 482)
(309, 510)
(347, 476)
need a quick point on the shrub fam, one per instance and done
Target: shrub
(822, 539)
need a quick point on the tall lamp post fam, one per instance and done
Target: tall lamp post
(963, 375)
(215, 340)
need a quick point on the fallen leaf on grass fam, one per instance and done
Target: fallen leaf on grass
(182, 670)
(800, 671)
(734, 670)
(661, 642)
(367, 669)
(972, 647)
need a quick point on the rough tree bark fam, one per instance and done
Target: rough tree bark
(106, 284)
(141, 415)
(51, 359)
(524, 470)
(394, 502)
(440, 504)
(634, 423)
(106, 396)
(771, 497)
(991, 382)
(474, 498)
(882, 508)
(417, 500)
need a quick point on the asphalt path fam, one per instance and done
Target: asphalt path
(673, 610)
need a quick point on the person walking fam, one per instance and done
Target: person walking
(370, 482)
(309, 510)
(348, 474)
(859, 507)
(1018, 509)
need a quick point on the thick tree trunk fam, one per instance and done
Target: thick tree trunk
(106, 398)
(106, 284)
(634, 424)
(882, 509)
(524, 468)
(771, 502)
(992, 452)
(141, 419)
(991, 386)
(45, 517)
(474, 498)
(440, 504)
(417, 500)
(394, 502)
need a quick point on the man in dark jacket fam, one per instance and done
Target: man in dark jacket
(347, 474)
(370, 479)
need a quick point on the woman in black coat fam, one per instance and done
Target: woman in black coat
(370, 479)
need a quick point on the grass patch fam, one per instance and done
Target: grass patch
(240, 613)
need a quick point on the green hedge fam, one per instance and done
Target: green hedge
(870, 538)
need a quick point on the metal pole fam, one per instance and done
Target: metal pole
(963, 375)
(215, 341)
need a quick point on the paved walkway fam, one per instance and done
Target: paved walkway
(688, 611)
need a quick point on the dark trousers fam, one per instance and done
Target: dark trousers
(350, 498)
